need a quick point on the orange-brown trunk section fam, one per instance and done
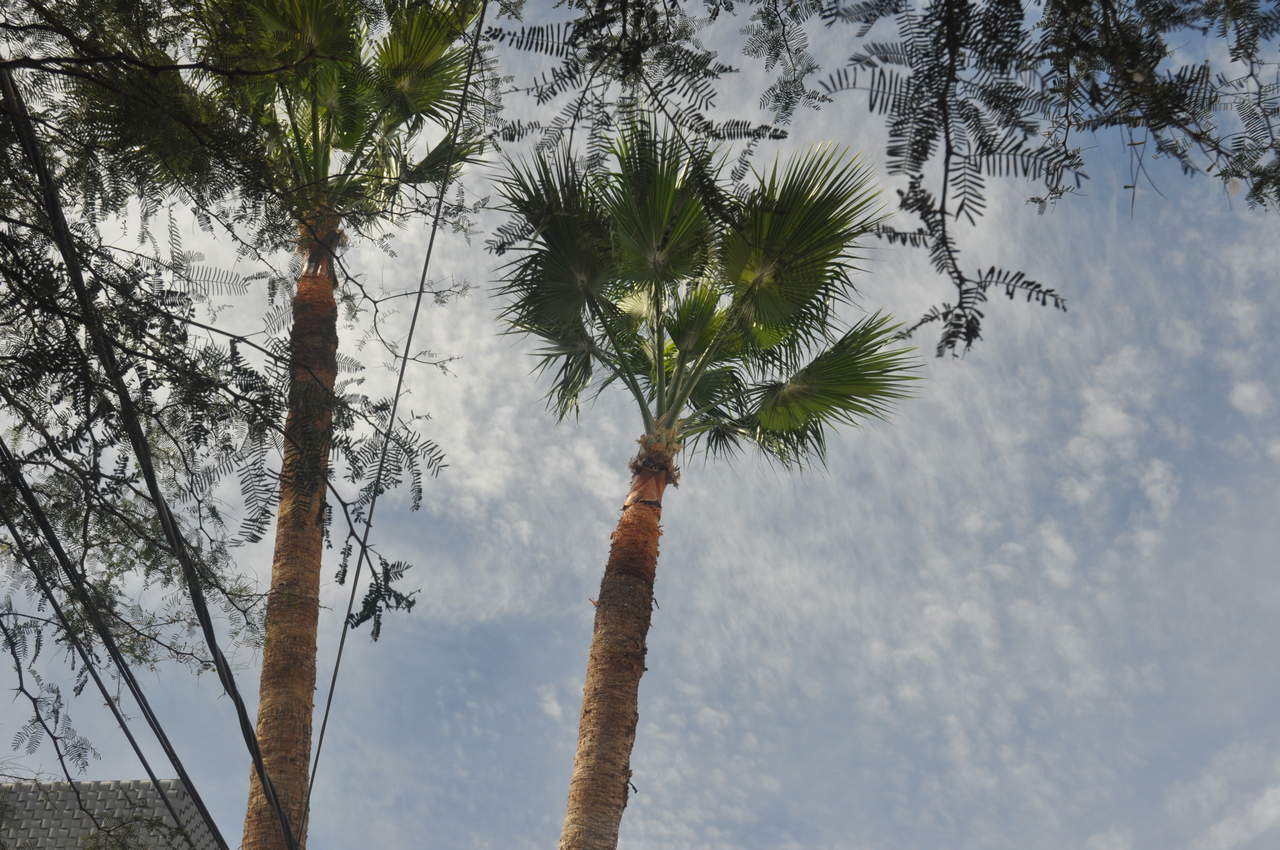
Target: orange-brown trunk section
(287, 691)
(607, 727)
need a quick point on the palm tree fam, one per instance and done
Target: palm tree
(342, 127)
(719, 316)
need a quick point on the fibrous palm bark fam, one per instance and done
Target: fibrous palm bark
(607, 726)
(287, 691)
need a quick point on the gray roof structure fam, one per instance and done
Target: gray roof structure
(48, 816)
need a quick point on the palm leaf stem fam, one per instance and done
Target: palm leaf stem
(624, 374)
(669, 417)
(705, 358)
(605, 357)
(708, 426)
(293, 137)
(316, 164)
(681, 397)
(659, 349)
(706, 408)
(357, 154)
(349, 173)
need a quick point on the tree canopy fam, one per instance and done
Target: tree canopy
(968, 90)
(723, 326)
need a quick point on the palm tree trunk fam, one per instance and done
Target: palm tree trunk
(607, 726)
(287, 691)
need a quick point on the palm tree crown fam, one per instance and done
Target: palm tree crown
(717, 312)
(362, 80)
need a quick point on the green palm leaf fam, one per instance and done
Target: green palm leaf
(858, 377)
(347, 110)
(790, 258)
(410, 64)
(696, 318)
(723, 329)
(570, 360)
(660, 226)
(568, 258)
(431, 167)
(553, 285)
(292, 30)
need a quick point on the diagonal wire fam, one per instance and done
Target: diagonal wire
(129, 419)
(14, 473)
(395, 399)
(48, 594)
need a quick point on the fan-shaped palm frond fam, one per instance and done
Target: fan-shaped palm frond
(856, 378)
(789, 261)
(415, 65)
(345, 120)
(568, 260)
(724, 329)
(661, 227)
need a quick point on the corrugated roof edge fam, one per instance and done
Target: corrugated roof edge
(46, 816)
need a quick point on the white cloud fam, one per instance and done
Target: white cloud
(713, 720)
(1147, 541)
(1259, 817)
(1116, 399)
(1106, 418)
(1181, 336)
(1160, 484)
(548, 703)
(1059, 557)
(1234, 361)
(1251, 398)
(1080, 489)
(977, 522)
(1244, 315)
(1112, 839)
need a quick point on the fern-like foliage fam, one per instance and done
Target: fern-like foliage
(131, 117)
(149, 103)
(969, 90)
(977, 89)
(615, 62)
(196, 403)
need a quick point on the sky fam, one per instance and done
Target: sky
(1034, 609)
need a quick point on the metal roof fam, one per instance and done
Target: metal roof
(47, 816)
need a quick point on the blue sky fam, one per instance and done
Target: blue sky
(1036, 609)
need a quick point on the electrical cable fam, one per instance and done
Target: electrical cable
(395, 399)
(129, 419)
(78, 584)
(48, 594)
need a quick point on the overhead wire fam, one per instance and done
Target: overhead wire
(14, 473)
(129, 419)
(395, 398)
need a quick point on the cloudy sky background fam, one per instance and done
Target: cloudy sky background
(1034, 610)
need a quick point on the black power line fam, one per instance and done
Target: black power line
(15, 476)
(395, 399)
(129, 419)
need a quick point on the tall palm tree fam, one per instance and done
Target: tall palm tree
(342, 124)
(719, 316)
